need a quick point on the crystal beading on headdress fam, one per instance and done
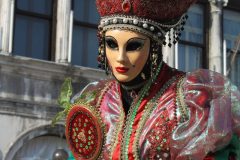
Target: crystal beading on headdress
(153, 18)
(155, 30)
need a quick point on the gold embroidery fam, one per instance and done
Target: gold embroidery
(117, 130)
(126, 128)
(180, 101)
(149, 108)
(82, 134)
(98, 105)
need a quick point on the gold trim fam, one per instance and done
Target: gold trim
(117, 130)
(146, 113)
(96, 114)
(98, 105)
(96, 111)
(126, 128)
(183, 108)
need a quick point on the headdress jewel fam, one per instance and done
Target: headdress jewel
(153, 18)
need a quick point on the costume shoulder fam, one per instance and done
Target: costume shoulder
(91, 92)
(85, 129)
(213, 118)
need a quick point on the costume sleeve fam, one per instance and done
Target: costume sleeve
(84, 127)
(213, 105)
(85, 92)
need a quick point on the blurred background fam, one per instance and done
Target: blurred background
(44, 41)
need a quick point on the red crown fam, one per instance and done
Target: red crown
(157, 10)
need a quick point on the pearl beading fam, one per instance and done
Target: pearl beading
(149, 27)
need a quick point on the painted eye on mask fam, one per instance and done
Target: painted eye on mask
(134, 45)
(111, 43)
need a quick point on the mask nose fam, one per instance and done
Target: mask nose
(121, 55)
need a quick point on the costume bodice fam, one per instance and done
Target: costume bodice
(174, 114)
(144, 132)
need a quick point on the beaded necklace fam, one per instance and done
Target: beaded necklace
(132, 114)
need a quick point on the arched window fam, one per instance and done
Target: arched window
(41, 148)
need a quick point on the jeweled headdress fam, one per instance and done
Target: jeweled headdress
(153, 18)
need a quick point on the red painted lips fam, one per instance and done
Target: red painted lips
(122, 69)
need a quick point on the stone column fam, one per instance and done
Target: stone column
(169, 55)
(6, 25)
(216, 35)
(63, 31)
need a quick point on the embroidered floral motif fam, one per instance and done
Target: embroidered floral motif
(159, 137)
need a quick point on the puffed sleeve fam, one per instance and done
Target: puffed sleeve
(213, 105)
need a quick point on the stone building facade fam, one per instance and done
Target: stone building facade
(43, 42)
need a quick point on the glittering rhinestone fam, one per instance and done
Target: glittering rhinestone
(106, 23)
(164, 140)
(135, 21)
(152, 28)
(158, 148)
(145, 25)
(114, 21)
(126, 6)
(165, 155)
(157, 137)
(159, 34)
(125, 20)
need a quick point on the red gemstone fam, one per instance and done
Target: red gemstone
(126, 6)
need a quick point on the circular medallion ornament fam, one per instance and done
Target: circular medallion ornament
(84, 132)
(126, 6)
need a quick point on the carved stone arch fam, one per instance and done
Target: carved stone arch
(58, 130)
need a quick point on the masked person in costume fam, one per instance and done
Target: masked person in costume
(149, 110)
